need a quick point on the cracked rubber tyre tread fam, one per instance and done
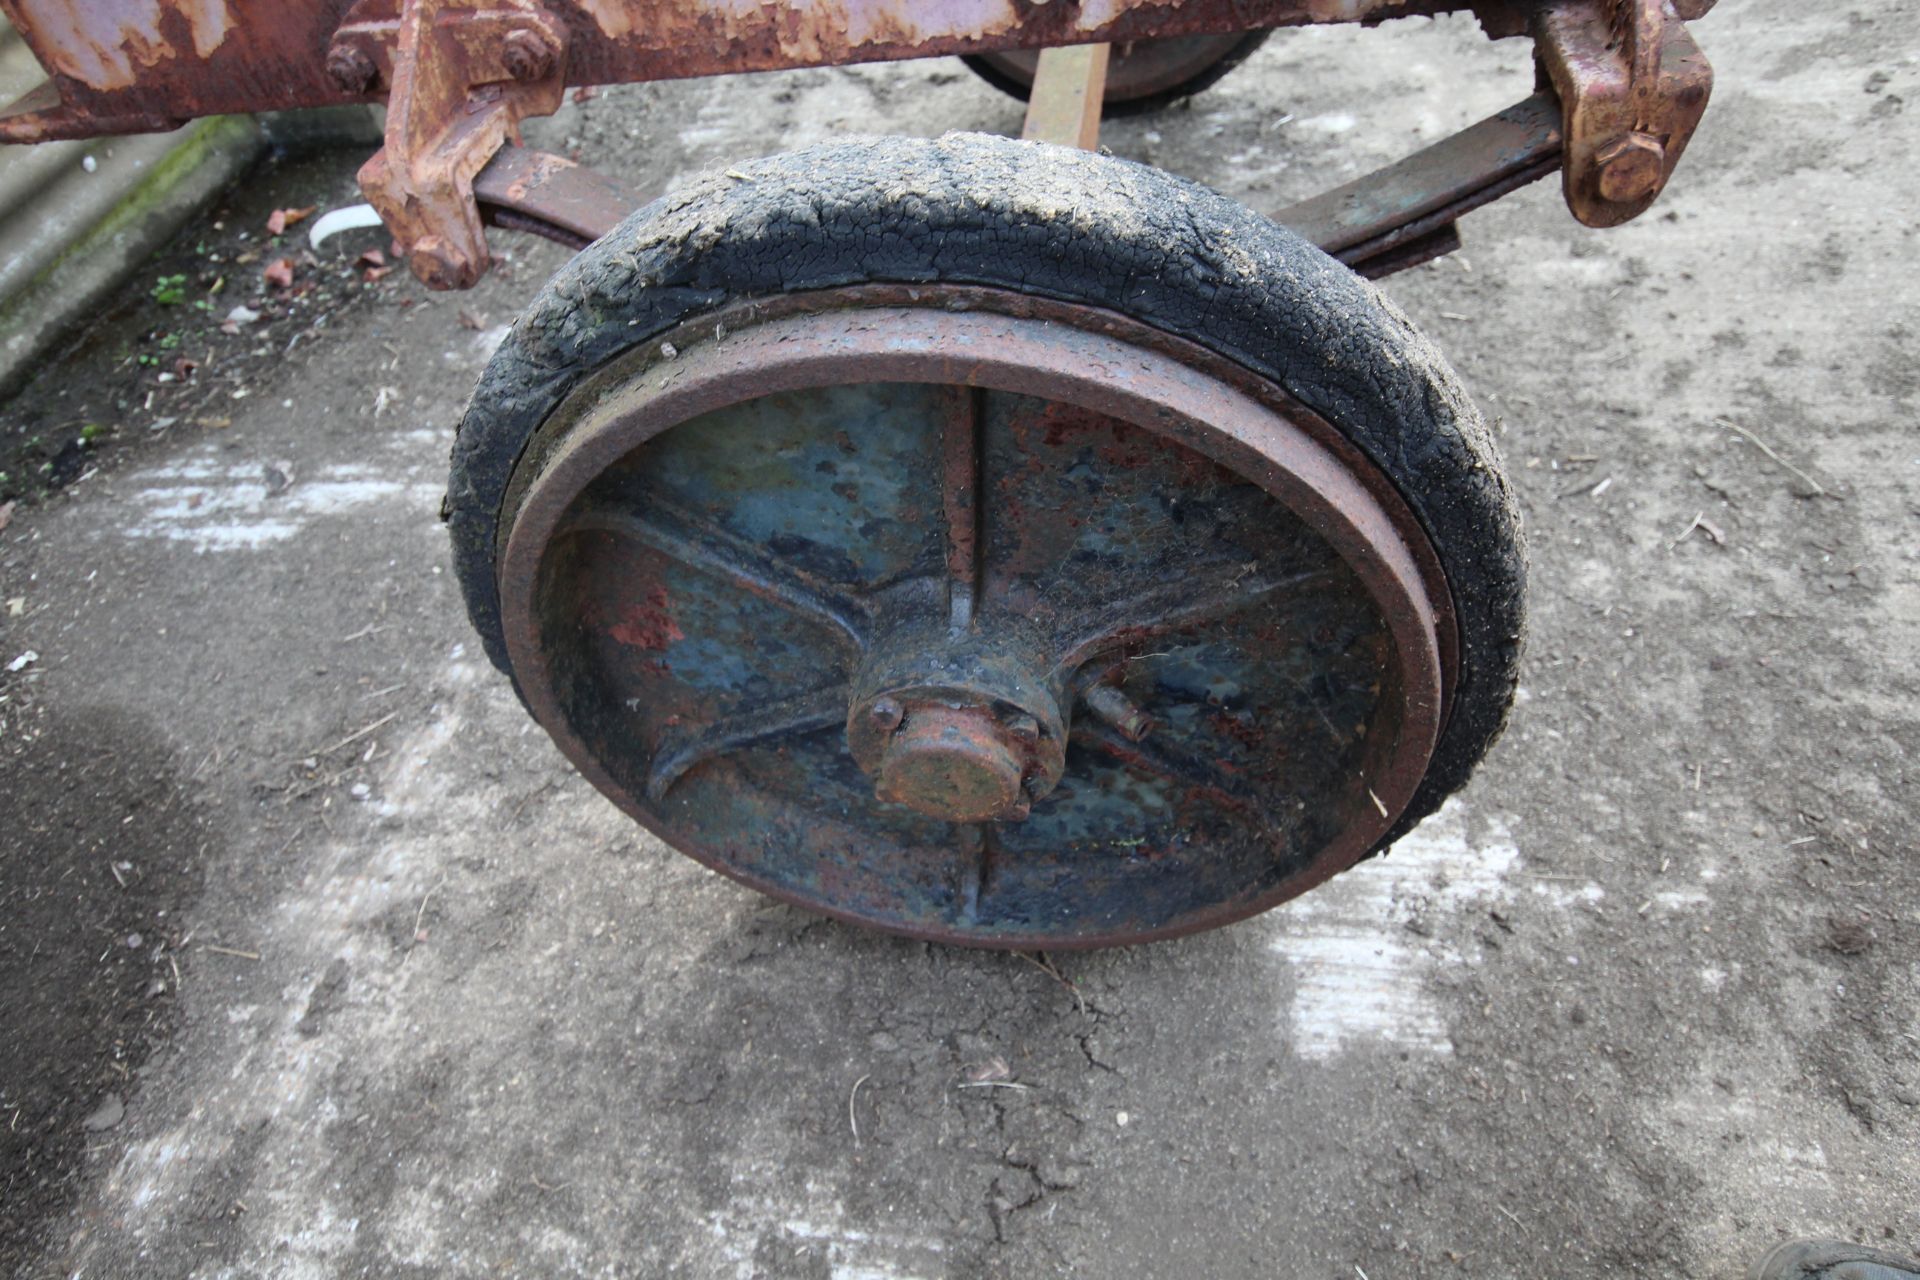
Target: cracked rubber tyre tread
(1056, 223)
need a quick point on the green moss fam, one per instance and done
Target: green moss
(199, 141)
(48, 301)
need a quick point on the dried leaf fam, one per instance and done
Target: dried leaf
(280, 219)
(994, 1068)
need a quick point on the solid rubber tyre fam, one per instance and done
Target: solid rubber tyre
(1016, 82)
(1052, 223)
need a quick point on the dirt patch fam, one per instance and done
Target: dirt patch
(205, 321)
(105, 847)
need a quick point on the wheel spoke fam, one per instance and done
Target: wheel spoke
(960, 474)
(702, 545)
(1163, 760)
(680, 751)
(1199, 595)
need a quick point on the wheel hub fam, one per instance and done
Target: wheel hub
(956, 731)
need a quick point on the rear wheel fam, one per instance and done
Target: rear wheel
(1142, 76)
(988, 542)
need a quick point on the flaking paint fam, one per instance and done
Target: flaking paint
(104, 45)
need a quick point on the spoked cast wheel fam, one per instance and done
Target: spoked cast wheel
(1143, 76)
(990, 542)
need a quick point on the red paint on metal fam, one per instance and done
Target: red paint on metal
(649, 624)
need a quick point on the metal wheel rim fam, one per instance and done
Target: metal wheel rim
(993, 341)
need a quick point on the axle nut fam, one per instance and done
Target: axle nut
(1631, 167)
(957, 764)
(527, 55)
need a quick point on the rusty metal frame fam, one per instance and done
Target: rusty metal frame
(1622, 87)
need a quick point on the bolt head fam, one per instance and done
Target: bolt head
(437, 266)
(886, 714)
(350, 68)
(527, 55)
(1024, 727)
(1630, 168)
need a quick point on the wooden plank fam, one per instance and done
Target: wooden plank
(1068, 87)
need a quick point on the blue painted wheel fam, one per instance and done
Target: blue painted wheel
(977, 626)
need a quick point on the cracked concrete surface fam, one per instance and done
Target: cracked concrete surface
(1638, 1002)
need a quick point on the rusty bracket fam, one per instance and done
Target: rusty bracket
(1632, 85)
(460, 76)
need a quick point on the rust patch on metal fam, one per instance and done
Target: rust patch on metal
(648, 624)
(805, 30)
(551, 196)
(106, 46)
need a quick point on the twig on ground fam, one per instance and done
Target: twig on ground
(355, 736)
(229, 951)
(528, 799)
(1038, 960)
(853, 1119)
(1819, 490)
(418, 916)
(1705, 526)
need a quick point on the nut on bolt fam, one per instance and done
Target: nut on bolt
(436, 265)
(528, 55)
(1631, 167)
(350, 67)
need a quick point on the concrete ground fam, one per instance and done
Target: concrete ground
(323, 962)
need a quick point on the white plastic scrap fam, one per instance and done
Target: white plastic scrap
(351, 218)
